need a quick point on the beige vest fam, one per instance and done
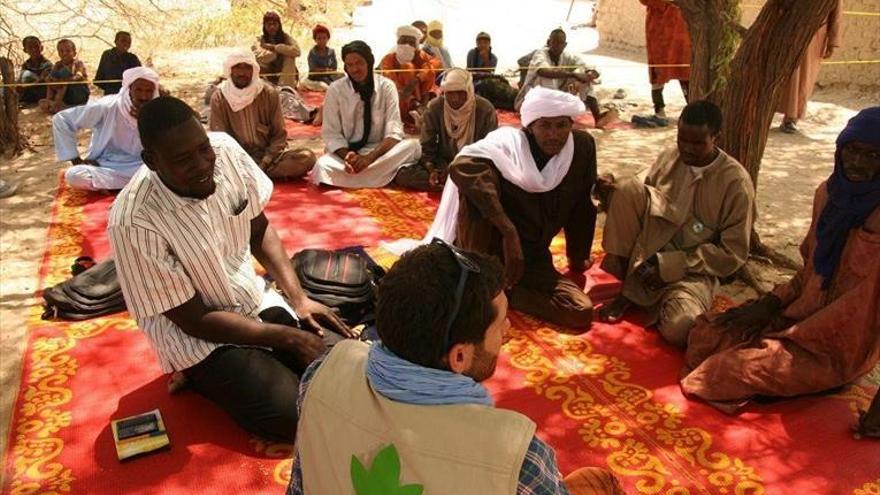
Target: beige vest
(450, 450)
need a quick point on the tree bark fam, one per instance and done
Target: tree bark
(11, 139)
(769, 54)
(706, 26)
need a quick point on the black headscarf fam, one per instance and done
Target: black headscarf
(279, 36)
(365, 89)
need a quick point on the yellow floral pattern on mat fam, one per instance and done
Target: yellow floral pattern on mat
(872, 488)
(45, 396)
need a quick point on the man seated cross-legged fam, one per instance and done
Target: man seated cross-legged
(114, 154)
(184, 233)
(671, 238)
(248, 109)
(441, 316)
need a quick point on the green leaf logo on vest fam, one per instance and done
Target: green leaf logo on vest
(383, 477)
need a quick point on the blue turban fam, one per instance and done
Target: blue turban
(849, 203)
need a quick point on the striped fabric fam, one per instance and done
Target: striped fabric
(169, 248)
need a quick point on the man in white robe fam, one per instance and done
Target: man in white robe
(115, 150)
(365, 145)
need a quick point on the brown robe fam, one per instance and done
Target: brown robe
(538, 217)
(698, 228)
(793, 102)
(438, 148)
(259, 128)
(828, 337)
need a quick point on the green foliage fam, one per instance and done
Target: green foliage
(729, 42)
(383, 477)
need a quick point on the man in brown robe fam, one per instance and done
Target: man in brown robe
(518, 189)
(249, 110)
(451, 122)
(793, 103)
(821, 329)
(672, 238)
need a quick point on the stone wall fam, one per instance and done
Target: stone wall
(621, 25)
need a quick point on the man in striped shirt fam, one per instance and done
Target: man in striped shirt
(183, 233)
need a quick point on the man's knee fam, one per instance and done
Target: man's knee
(579, 317)
(676, 321)
(628, 192)
(79, 177)
(293, 164)
(413, 177)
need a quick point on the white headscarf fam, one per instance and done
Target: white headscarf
(461, 122)
(407, 30)
(542, 102)
(508, 149)
(123, 102)
(240, 98)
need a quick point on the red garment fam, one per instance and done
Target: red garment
(423, 67)
(668, 41)
(832, 338)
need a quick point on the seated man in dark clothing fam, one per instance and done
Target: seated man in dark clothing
(512, 192)
(114, 62)
(33, 70)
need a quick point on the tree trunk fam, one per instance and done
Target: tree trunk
(709, 32)
(10, 138)
(769, 54)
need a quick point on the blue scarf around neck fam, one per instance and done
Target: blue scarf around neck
(403, 381)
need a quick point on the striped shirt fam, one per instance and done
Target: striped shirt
(169, 248)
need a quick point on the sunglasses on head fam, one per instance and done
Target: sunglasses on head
(466, 266)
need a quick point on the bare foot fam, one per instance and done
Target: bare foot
(613, 312)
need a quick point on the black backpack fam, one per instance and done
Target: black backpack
(91, 293)
(345, 280)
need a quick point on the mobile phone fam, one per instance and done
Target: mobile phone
(137, 426)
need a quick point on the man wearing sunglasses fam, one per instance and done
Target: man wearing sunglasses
(441, 316)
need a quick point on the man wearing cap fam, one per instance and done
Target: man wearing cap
(362, 132)
(115, 150)
(451, 122)
(413, 72)
(248, 109)
(511, 193)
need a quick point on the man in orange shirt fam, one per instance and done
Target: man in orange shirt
(413, 72)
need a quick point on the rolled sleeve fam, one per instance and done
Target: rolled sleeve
(152, 278)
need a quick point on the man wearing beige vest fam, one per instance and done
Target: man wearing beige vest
(441, 316)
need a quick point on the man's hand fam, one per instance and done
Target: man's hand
(514, 262)
(603, 190)
(80, 161)
(267, 46)
(311, 314)
(753, 317)
(355, 163)
(576, 269)
(306, 347)
(649, 274)
(436, 177)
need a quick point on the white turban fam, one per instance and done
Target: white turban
(128, 78)
(542, 102)
(239, 98)
(457, 80)
(407, 30)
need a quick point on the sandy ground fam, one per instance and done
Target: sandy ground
(793, 165)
